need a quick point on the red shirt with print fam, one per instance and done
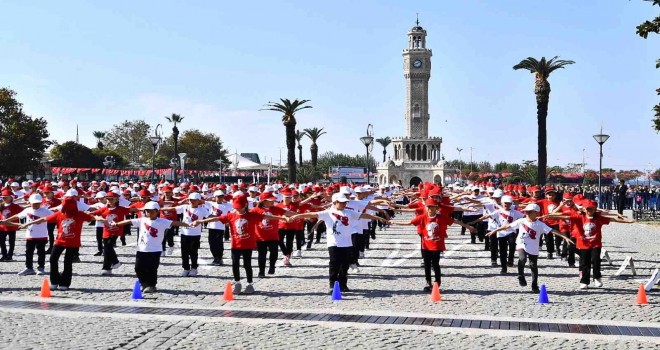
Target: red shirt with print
(267, 230)
(8, 211)
(294, 207)
(115, 214)
(69, 229)
(547, 206)
(243, 229)
(565, 225)
(588, 230)
(432, 230)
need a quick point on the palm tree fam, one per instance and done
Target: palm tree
(542, 69)
(99, 135)
(385, 141)
(175, 119)
(314, 134)
(289, 109)
(299, 137)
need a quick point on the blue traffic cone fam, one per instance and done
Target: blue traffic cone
(336, 292)
(137, 291)
(543, 296)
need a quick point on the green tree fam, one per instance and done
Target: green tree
(203, 149)
(130, 139)
(542, 69)
(643, 30)
(99, 135)
(299, 138)
(23, 139)
(289, 109)
(385, 141)
(314, 134)
(175, 119)
(527, 173)
(74, 155)
(328, 160)
(101, 154)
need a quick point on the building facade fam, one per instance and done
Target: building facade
(415, 157)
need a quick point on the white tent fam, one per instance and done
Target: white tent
(241, 163)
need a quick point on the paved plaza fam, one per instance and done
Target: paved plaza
(389, 285)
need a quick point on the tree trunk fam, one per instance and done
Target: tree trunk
(542, 99)
(291, 150)
(384, 154)
(175, 133)
(300, 155)
(314, 150)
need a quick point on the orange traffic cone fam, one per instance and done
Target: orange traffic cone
(435, 293)
(641, 296)
(229, 292)
(45, 289)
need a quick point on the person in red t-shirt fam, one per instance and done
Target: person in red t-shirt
(8, 232)
(548, 205)
(167, 200)
(567, 208)
(587, 226)
(49, 201)
(111, 213)
(243, 238)
(69, 229)
(267, 232)
(432, 228)
(287, 230)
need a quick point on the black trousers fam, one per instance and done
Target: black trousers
(286, 241)
(431, 260)
(466, 219)
(51, 235)
(263, 248)
(7, 236)
(340, 260)
(569, 250)
(236, 255)
(169, 238)
(523, 256)
(507, 247)
(300, 239)
(358, 246)
(551, 241)
(589, 258)
(99, 239)
(63, 279)
(40, 246)
(109, 254)
(146, 268)
(319, 231)
(216, 245)
(371, 233)
(189, 251)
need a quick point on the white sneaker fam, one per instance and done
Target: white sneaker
(26, 272)
(287, 261)
(116, 266)
(584, 286)
(40, 271)
(106, 272)
(361, 255)
(237, 288)
(297, 254)
(249, 289)
(163, 254)
(170, 251)
(598, 283)
(62, 288)
(192, 273)
(354, 268)
(185, 273)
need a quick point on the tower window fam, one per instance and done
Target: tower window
(416, 113)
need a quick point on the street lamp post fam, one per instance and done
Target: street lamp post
(108, 163)
(182, 156)
(155, 141)
(460, 166)
(601, 139)
(219, 162)
(367, 141)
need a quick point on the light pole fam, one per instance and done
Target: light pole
(182, 156)
(460, 166)
(368, 141)
(600, 138)
(219, 162)
(109, 162)
(155, 141)
(471, 149)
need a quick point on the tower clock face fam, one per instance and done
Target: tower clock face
(417, 63)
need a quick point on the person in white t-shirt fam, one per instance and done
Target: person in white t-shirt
(339, 222)
(190, 236)
(530, 230)
(506, 239)
(36, 236)
(218, 207)
(100, 196)
(149, 244)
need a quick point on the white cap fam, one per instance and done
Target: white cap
(151, 206)
(368, 187)
(205, 187)
(532, 207)
(360, 189)
(176, 190)
(218, 193)
(71, 193)
(124, 185)
(498, 193)
(345, 190)
(152, 188)
(338, 197)
(195, 196)
(15, 184)
(100, 194)
(507, 199)
(116, 191)
(270, 189)
(253, 189)
(25, 184)
(490, 189)
(35, 198)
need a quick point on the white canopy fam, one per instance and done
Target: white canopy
(241, 163)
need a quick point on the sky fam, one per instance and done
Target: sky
(97, 63)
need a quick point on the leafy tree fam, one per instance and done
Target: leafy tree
(385, 141)
(101, 154)
(203, 149)
(99, 135)
(23, 139)
(175, 119)
(314, 134)
(542, 69)
(130, 140)
(643, 30)
(75, 155)
(289, 109)
(299, 137)
(528, 173)
(328, 160)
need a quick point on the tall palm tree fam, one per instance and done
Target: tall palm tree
(99, 135)
(542, 69)
(289, 109)
(385, 141)
(175, 119)
(314, 134)
(299, 137)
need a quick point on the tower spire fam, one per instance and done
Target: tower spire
(77, 139)
(417, 19)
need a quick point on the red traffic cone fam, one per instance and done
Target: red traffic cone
(435, 293)
(641, 296)
(45, 289)
(229, 292)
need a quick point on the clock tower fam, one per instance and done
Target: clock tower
(417, 71)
